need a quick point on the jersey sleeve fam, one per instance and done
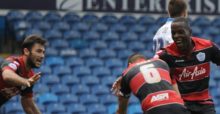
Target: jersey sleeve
(215, 56)
(10, 65)
(27, 92)
(125, 89)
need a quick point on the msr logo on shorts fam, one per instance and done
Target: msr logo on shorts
(160, 97)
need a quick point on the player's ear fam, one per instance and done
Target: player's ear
(26, 51)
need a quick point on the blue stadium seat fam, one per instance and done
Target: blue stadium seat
(80, 89)
(51, 52)
(71, 35)
(74, 62)
(33, 31)
(109, 19)
(76, 109)
(13, 107)
(70, 80)
(52, 17)
(100, 90)
(88, 99)
(71, 17)
(101, 71)
(21, 25)
(61, 70)
(127, 20)
(98, 45)
(119, 28)
(97, 109)
(60, 89)
(61, 26)
(108, 80)
(68, 99)
(135, 109)
(47, 98)
(45, 70)
(42, 25)
(129, 37)
(201, 21)
(52, 34)
(133, 100)
(14, 16)
(68, 53)
(216, 22)
(117, 71)
(212, 31)
(54, 61)
(87, 53)
(90, 18)
(94, 62)
(99, 27)
(110, 36)
(50, 80)
(146, 37)
(109, 99)
(136, 46)
(153, 29)
(56, 108)
(196, 31)
(146, 20)
(33, 16)
(90, 80)
(80, 26)
(91, 36)
(117, 45)
(40, 88)
(59, 44)
(124, 54)
(106, 54)
(112, 109)
(112, 63)
(81, 71)
(137, 29)
(78, 44)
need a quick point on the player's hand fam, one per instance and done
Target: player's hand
(34, 79)
(116, 86)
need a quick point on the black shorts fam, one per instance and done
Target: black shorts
(196, 108)
(168, 109)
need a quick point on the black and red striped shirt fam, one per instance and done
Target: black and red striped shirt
(150, 82)
(192, 73)
(17, 65)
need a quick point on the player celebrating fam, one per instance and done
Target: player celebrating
(17, 76)
(150, 82)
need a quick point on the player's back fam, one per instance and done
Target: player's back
(150, 82)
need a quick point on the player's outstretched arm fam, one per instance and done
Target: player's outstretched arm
(122, 106)
(116, 86)
(29, 105)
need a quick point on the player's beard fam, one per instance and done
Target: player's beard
(30, 61)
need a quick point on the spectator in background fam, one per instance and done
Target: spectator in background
(163, 37)
(150, 81)
(17, 75)
(189, 61)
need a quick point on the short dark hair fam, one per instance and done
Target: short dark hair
(176, 8)
(183, 20)
(30, 40)
(132, 58)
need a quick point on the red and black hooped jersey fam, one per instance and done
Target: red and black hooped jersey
(192, 73)
(150, 82)
(17, 65)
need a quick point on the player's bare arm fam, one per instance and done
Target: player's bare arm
(123, 104)
(29, 105)
(116, 86)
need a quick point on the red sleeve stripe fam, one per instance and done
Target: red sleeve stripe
(194, 96)
(136, 82)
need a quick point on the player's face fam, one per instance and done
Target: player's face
(36, 55)
(181, 36)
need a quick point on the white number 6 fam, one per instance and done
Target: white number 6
(151, 75)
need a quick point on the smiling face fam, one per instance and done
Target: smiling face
(181, 35)
(36, 55)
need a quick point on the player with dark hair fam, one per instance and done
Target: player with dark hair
(17, 76)
(189, 61)
(163, 37)
(150, 82)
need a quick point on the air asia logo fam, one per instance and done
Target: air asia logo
(160, 97)
(187, 74)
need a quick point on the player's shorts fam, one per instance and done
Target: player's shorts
(196, 108)
(168, 109)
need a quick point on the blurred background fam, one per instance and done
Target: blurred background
(89, 42)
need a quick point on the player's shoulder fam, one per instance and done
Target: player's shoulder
(202, 43)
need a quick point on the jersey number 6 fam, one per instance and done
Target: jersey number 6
(150, 74)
